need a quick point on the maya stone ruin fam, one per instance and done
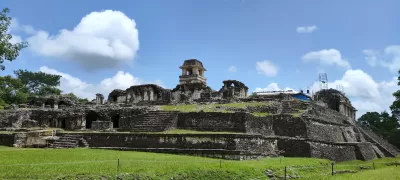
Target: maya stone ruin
(225, 123)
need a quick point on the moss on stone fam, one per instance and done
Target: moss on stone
(260, 114)
(210, 107)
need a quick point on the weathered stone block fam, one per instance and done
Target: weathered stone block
(102, 125)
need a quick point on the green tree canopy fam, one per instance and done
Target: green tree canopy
(395, 107)
(12, 91)
(39, 83)
(8, 50)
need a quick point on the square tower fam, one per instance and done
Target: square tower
(192, 72)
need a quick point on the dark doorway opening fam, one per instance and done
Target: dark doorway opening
(49, 103)
(114, 98)
(63, 124)
(115, 120)
(90, 117)
(62, 104)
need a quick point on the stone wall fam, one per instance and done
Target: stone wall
(179, 141)
(321, 113)
(286, 125)
(333, 151)
(102, 125)
(212, 121)
(259, 125)
(6, 139)
(324, 132)
(294, 148)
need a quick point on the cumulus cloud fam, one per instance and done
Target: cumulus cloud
(272, 87)
(71, 84)
(327, 57)
(232, 69)
(101, 40)
(266, 68)
(390, 58)
(306, 29)
(371, 56)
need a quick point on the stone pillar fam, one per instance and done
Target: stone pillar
(99, 99)
(195, 71)
(183, 71)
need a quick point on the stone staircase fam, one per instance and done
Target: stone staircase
(70, 141)
(389, 150)
(156, 121)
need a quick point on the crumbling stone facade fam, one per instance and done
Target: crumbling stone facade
(337, 101)
(233, 89)
(140, 93)
(54, 102)
(99, 99)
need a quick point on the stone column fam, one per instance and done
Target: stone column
(99, 99)
(183, 71)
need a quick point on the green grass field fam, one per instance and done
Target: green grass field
(93, 163)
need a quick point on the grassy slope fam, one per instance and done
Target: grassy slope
(209, 107)
(52, 163)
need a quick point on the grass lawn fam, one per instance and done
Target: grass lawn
(95, 163)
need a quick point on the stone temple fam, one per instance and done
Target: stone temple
(226, 123)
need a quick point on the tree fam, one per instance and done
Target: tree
(39, 83)
(395, 107)
(76, 98)
(382, 124)
(8, 51)
(11, 91)
(370, 119)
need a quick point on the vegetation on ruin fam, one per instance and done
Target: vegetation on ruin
(210, 107)
(260, 114)
(91, 163)
(185, 131)
(383, 123)
(16, 90)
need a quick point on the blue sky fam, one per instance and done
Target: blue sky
(354, 42)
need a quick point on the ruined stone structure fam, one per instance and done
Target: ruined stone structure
(337, 101)
(99, 99)
(233, 88)
(53, 102)
(323, 128)
(139, 94)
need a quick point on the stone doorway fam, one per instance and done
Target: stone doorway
(115, 120)
(90, 117)
(63, 124)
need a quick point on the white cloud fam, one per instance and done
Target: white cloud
(121, 80)
(366, 94)
(101, 40)
(390, 58)
(272, 87)
(232, 69)
(371, 57)
(266, 68)
(306, 29)
(327, 57)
